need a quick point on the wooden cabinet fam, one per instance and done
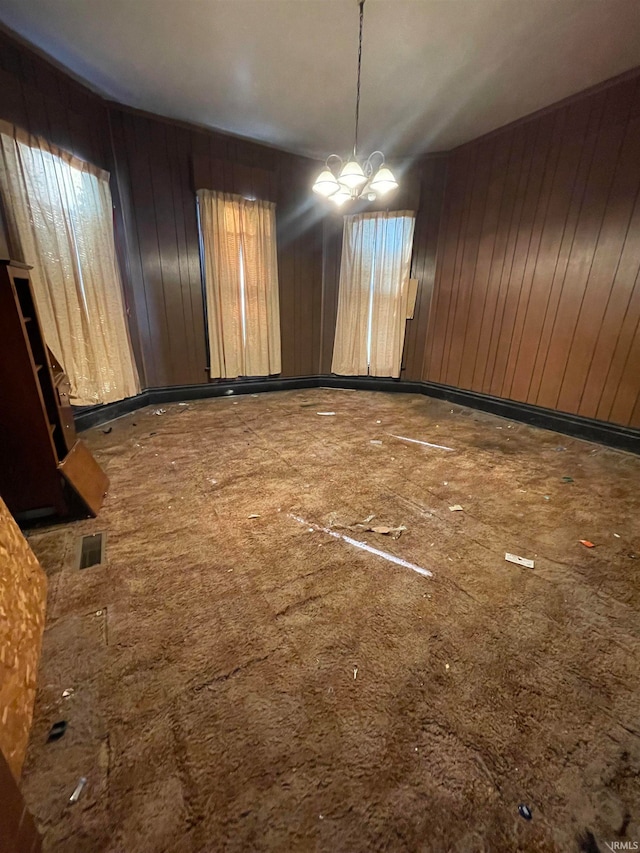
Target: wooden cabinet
(37, 433)
(62, 388)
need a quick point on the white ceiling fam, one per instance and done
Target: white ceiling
(436, 73)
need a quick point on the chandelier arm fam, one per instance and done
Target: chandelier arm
(368, 166)
(354, 180)
(334, 157)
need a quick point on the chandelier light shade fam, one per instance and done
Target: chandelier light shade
(326, 183)
(351, 179)
(340, 197)
(383, 181)
(352, 176)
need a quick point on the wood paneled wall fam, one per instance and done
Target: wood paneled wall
(529, 285)
(49, 103)
(431, 174)
(158, 165)
(153, 163)
(537, 294)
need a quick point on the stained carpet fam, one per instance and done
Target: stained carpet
(247, 676)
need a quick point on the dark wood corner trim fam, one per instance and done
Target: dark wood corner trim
(612, 435)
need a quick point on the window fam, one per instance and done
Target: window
(373, 294)
(59, 213)
(238, 238)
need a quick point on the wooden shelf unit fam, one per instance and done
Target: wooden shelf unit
(37, 433)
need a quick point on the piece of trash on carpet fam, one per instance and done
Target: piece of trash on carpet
(524, 811)
(56, 731)
(107, 431)
(253, 515)
(586, 543)
(395, 532)
(355, 672)
(567, 479)
(365, 527)
(375, 441)
(560, 448)
(159, 412)
(78, 790)
(364, 546)
(183, 404)
(417, 441)
(68, 692)
(519, 561)
(446, 666)
(456, 508)
(325, 413)
(617, 535)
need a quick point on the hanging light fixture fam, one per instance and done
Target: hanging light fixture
(341, 181)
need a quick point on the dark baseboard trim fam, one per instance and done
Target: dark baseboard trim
(612, 435)
(92, 416)
(86, 417)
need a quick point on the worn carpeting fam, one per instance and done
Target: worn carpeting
(244, 680)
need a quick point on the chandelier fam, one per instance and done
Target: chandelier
(341, 180)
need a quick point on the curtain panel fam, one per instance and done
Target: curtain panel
(241, 283)
(58, 210)
(373, 293)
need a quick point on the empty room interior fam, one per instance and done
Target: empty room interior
(319, 426)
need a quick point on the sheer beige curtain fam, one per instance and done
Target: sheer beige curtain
(373, 293)
(241, 282)
(59, 214)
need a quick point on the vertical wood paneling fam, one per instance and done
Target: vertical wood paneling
(432, 174)
(48, 103)
(569, 149)
(445, 270)
(527, 242)
(331, 249)
(537, 288)
(469, 248)
(502, 188)
(151, 163)
(495, 175)
(162, 160)
(501, 265)
(583, 149)
(585, 243)
(536, 148)
(556, 123)
(618, 351)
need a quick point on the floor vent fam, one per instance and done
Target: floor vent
(91, 551)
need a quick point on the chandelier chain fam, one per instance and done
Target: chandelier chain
(343, 180)
(355, 141)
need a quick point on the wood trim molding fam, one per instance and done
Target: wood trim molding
(612, 435)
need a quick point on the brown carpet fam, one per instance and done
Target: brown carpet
(257, 684)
